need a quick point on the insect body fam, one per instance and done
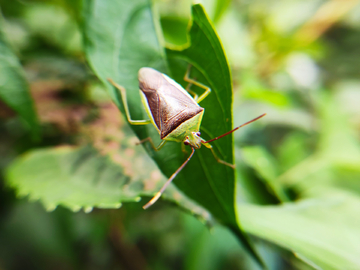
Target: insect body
(174, 113)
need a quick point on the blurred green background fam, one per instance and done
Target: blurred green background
(296, 60)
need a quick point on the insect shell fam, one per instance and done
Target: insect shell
(172, 110)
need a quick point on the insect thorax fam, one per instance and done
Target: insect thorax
(187, 129)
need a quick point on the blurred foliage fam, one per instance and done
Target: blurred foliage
(297, 170)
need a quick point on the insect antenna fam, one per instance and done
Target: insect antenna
(158, 194)
(231, 131)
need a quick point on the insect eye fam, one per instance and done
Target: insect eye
(186, 141)
(198, 133)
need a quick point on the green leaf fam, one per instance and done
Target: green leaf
(295, 142)
(174, 30)
(207, 181)
(220, 7)
(323, 232)
(75, 178)
(83, 178)
(14, 90)
(337, 149)
(338, 140)
(264, 164)
(253, 89)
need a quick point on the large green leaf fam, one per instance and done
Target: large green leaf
(321, 231)
(14, 90)
(212, 184)
(72, 177)
(83, 178)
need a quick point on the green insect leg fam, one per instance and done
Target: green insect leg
(207, 145)
(148, 139)
(126, 106)
(193, 82)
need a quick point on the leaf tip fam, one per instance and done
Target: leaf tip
(50, 207)
(88, 209)
(75, 208)
(118, 205)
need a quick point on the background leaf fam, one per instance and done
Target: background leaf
(14, 90)
(220, 7)
(323, 230)
(75, 178)
(257, 158)
(82, 178)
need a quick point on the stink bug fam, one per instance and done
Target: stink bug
(175, 114)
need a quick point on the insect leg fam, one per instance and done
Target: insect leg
(183, 148)
(148, 139)
(161, 191)
(195, 96)
(126, 106)
(192, 81)
(216, 157)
